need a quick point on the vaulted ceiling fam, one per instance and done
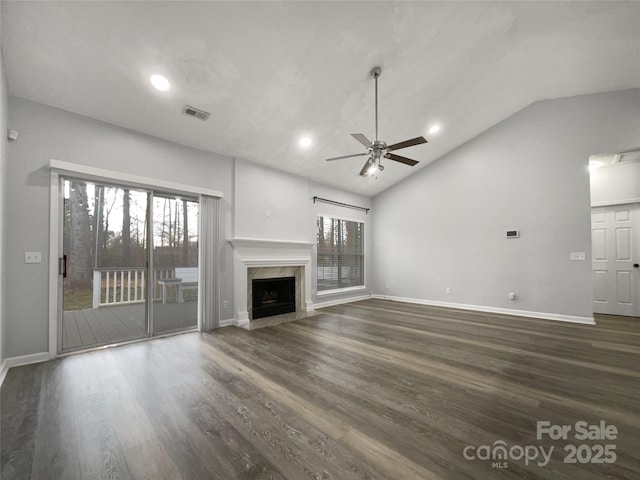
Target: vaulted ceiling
(270, 72)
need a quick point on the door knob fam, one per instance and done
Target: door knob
(635, 265)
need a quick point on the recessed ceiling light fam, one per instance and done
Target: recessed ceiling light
(160, 82)
(434, 129)
(305, 142)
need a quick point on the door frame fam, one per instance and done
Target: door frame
(635, 219)
(60, 168)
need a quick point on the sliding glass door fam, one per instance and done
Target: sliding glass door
(175, 259)
(129, 268)
(104, 265)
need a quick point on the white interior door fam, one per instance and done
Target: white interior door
(615, 236)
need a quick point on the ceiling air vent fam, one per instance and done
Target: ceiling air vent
(196, 113)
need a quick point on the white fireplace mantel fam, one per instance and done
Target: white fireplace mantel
(256, 252)
(239, 243)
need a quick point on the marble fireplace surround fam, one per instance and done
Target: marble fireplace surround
(260, 258)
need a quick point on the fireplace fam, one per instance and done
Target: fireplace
(255, 259)
(273, 296)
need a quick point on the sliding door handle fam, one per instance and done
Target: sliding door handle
(62, 266)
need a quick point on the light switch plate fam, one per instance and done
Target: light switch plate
(580, 256)
(32, 257)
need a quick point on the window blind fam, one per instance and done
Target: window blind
(340, 254)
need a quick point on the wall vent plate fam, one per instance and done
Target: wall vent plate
(196, 113)
(513, 233)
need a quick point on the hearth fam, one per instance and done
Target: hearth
(273, 296)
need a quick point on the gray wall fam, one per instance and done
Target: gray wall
(47, 133)
(445, 225)
(270, 204)
(619, 183)
(442, 227)
(3, 202)
(274, 205)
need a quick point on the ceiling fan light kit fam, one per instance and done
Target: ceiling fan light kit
(378, 149)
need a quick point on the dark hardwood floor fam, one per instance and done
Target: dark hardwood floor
(373, 389)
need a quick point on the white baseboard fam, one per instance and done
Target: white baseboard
(11, 362)
(483, 308)
(339, 301)
(226, 323)
(3, 371)
(27, 359)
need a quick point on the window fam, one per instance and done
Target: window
(340, 254)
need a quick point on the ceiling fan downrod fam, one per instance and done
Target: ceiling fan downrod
(375, 73)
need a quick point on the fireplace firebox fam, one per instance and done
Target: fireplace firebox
(273, 296)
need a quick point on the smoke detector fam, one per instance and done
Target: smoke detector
(196, 113)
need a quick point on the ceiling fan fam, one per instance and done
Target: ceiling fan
(378, 149)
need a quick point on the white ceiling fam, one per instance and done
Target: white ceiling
(271, 71)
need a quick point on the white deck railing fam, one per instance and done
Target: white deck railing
(119, 286)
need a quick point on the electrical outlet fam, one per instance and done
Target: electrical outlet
(512, 295)
(225, 304)
(32, 257)
(447, 291)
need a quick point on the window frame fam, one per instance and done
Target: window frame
(351, 288)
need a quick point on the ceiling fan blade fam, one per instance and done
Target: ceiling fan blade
(362, 139)
(398, 158)
(407, 143)
(346, 156)
(365, 168)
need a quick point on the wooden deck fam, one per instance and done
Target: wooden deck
(119, 323)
